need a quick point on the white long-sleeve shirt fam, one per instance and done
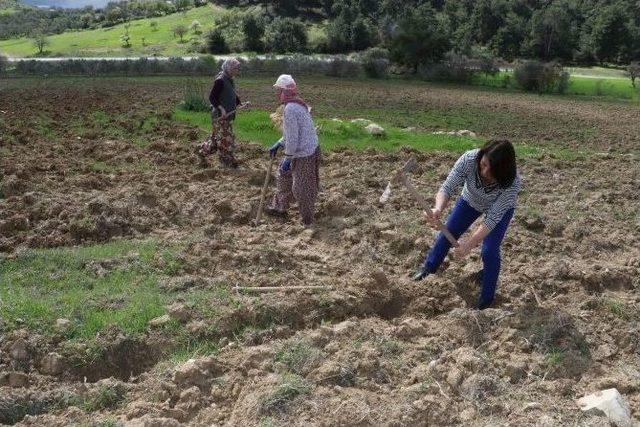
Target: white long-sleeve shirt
(491, 200)
(300, 137)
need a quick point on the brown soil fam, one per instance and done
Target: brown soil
(377, 350)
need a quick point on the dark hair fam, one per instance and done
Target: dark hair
(502, 159)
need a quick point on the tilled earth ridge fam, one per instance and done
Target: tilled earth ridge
(376, 350)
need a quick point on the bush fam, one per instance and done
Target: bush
(342, 67)
(286, 35)
(535, 76)
(485, 62)
(375, 62)
(4, 65)
(193, 97)
(216, 42)
(454, 68)
(253, 30)
(180, 30)
(633, 72)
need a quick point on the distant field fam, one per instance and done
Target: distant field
(596, 82)
(106, 41)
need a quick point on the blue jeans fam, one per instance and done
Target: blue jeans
(461, 218)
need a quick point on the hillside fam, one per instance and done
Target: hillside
(106, 41)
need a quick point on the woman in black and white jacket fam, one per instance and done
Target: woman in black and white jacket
(490, 186)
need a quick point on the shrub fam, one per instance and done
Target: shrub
(343, 67)
(286, 35)
(375, 62)
(485, 62)
(4, 65)
(541, 77)
(253, 30)
(193, 97)
(196, 27)
(633, 72)
(290, 387)
(454, 68)
(180, 30)
(216, 42)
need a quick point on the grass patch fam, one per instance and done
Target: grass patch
(555, 357)
(105, 397)
(388, 347)
(290, 387)
(617, 308)
(190, 348)
(105, 42)
(299, 357)
(101, 167)
(256, 126)
(601, 85)
(39, 286)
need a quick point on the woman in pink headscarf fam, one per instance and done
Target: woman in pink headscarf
(298, 175)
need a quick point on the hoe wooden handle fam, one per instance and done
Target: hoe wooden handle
(263, 193)
(422, 202)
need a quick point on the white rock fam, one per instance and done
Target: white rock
(159, 321)
(52, 364)
(343, 327)
(63, 325)
(190, 373)
(361, 122)
(465, 132)
(179, 311)
(374, 129)
(336, 120)
(19, 350)
(610, 403)
(17, 379)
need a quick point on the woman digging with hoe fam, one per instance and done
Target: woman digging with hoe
(224, 104)
(298, 175)
(491, 186)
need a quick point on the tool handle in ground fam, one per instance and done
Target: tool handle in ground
(280, 288)
(263, 193)
(425, 205)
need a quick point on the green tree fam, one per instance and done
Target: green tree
(421, 37)
(361, 34)
(183, 4)
(253, 30)
(552, 33)
(196, 27)
(180, 30)
(611, 36)
(633, 71)
(216, 42)
(285, 35)
(125, 39)
(487, 18)
(509, 39)
(40, 41)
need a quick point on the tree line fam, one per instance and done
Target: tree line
(570, 31)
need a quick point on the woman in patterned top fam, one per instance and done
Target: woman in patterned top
(299, 174)
(491, 186)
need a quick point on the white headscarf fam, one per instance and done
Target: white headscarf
(230, 64)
